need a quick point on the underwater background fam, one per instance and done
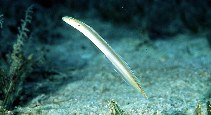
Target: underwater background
(49, 68)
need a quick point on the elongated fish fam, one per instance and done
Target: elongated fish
(120, 65)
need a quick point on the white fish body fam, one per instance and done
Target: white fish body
(115, 59)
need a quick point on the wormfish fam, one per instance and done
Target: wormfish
(120, 65)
